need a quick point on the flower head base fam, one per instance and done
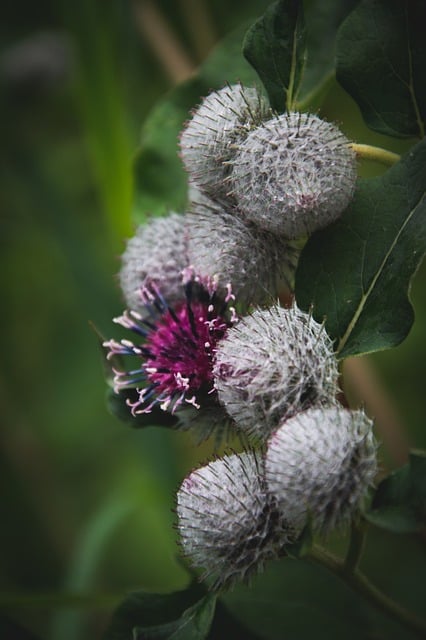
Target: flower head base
(227, 523)
(223, 118)
(320, 464)
(175, 351)
(258, 264)
(294, 174)
(273, 364)
(156, 254)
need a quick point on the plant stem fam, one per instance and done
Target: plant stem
(368, 152)
(356, 546)
(360, 583)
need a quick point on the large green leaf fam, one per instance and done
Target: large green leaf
(294, 53)
(275, 46)
(183, 615)
(381, 61)
(322, 18)
(160, 179)
(299, 601)
(399, 504)
(356, 272)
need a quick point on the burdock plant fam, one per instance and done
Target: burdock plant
(283, 262)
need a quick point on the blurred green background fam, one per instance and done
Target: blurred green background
(86, 501)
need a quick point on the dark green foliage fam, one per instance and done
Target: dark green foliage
(356, 272)
(297, 600)
(11, 630)
(191, 614)
(399, 504)
(323, 18)
(381, 61)
(183, 615)
(275, 47)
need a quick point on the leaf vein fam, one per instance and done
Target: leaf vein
(365, 296)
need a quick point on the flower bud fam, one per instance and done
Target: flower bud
(227, 524)
(156, 254)
(271, 365)
(223, 118)
(294, 174)
(256, 263)
(320, 464)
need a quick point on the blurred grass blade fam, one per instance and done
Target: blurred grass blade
(70, 625)
(93, 26)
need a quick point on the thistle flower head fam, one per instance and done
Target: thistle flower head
(220, 244)
(223, 118)
(228, 526)
(320, 464)
(293, 174)
(156, 254)
(175, 345)
(273, 364)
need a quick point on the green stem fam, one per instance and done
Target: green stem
(360, 583)
(368, 152)
(356, 546)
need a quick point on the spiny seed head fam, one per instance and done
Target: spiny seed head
(227, 524)
(273, 364)
(223, 118)
(155, 254)
(257, 263)
(320, 464)
(293, 174)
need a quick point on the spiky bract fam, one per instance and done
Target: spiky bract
(271, 365)
(156, 254)
(257, 263)
(223, 118)
(294, 174)
(228, 526)
(320, 464)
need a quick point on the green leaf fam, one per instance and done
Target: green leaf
(275, 47)
(183, 615)
(356, 273)
(322, 18)
(399, 504)
(381, 61)
(226, 625)
(296, 600)
(194, 624)
(161, 182)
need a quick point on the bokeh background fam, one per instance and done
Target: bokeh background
(87, 501)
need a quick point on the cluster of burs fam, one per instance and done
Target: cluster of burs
(259, 184)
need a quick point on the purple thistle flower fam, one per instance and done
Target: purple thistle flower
(176, 344)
